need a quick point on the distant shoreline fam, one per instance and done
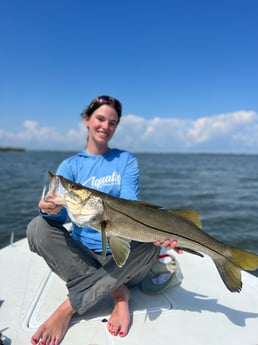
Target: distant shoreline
(12, 149)
(201, 153)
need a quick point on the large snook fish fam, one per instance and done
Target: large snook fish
(121, 221)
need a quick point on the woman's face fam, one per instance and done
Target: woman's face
(102, 124)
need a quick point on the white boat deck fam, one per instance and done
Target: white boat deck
(201, 311)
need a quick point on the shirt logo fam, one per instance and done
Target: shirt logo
(98, 183)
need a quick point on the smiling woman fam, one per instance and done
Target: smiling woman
(75, 256)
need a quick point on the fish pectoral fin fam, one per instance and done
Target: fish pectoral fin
(120, 249)
(191, 251)
(192, 215)
(104, 240)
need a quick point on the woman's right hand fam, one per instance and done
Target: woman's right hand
(49, 207)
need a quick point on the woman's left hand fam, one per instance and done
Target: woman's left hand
(169, 245)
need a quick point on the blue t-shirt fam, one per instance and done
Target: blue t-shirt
(115, 172)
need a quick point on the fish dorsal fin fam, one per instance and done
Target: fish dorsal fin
(192, 215)
(120, 249)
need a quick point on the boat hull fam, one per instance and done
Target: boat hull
(199, 311)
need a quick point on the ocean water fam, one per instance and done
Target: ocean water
(223, 187)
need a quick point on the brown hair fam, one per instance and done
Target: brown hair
(101, 100)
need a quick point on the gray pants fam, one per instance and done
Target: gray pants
(89, 277)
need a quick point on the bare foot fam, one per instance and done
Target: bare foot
(53, 330)
(119, 320)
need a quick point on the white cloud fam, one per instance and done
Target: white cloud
(230, 132)
(207, 128)
(32, 136)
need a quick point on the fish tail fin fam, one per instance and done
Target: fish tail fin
(230, 268)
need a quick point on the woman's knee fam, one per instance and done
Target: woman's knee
(35, 232)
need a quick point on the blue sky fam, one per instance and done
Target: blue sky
(185, 71)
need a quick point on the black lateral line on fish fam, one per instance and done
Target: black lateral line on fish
(170, 233)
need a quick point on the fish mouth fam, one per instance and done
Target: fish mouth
(56, 190)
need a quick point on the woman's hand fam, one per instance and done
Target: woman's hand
(169, 245)
(49, 207)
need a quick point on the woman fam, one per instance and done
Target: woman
(76, 257)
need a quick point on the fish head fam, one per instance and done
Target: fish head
(75, 193)
(56, 191)
(83, 207)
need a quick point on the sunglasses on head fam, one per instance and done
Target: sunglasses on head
(106, 100)
(99, 101)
